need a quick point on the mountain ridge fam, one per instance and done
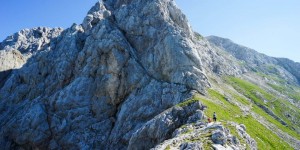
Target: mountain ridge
(256, 59)
(134, 75)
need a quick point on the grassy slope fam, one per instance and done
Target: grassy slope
(281, 86)
(226, 111)
(277, 105)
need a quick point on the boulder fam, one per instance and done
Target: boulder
(191, 146)
(219, 137)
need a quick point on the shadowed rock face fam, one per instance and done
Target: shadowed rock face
(98, 83)
(16, 49)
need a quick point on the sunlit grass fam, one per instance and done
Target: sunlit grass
(226, 111)
(276, 105)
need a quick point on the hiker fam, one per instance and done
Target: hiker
(215, 117)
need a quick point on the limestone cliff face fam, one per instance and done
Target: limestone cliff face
(96, 84)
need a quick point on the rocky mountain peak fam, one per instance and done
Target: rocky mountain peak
(134, 75)
(151, 22)
(128, 62)
(95, 14)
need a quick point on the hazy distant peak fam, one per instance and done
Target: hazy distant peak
(256, 59)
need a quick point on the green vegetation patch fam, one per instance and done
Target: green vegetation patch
(188, 102)
(272, 77)
(250, 90)
(226, 111)
(277, 87)
(291, 91)
(168, 147)
(276, 105)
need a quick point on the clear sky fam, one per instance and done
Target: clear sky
(268, 26)
(19, 14)
(271, 27)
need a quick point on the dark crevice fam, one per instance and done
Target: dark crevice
(114, 119)
(49, 119)
(4, 75)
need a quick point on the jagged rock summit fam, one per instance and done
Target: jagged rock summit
(103, 84)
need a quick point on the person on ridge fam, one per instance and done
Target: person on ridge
(215, 117)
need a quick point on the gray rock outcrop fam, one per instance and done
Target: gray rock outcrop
(242, 132)
(218, 137)
(16, 49)
(162, 126)
(97, 83)
(29, 41)
(9, 60)
(201, 135)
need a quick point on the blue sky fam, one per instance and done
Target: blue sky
(268, 26)
(19, 14)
